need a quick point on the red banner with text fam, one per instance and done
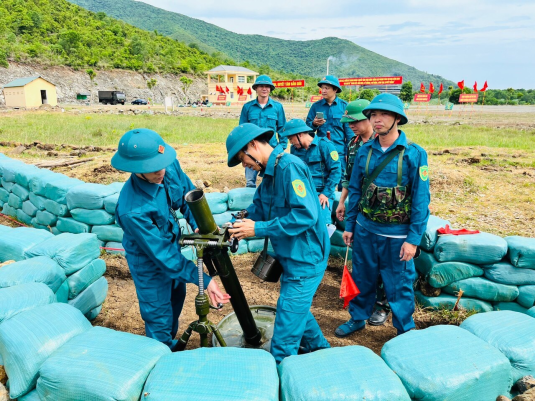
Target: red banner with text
(371, 81)
(422, 97)
(289, 84)
(468, 97)
(221, 97)
(242, 98)
(315, 98)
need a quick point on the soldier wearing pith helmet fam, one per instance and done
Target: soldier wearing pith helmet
(387, 215)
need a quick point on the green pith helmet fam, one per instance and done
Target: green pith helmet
(142, 151)
(388, 102)
(354, 111)
(241, 136)
(331, 80)
(263, 80)
(293, 127)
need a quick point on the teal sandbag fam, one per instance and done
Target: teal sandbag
(108, 233)
(46, 218)
(242, 248)
(430, 237)
(481, 249)
(31, 396)
(35, 224)
(41, 269)
(11, 167)
(29, 338)
(55, 231)
(509, 306)
(83, 278)
(189, 253)
(88, 196)
(448, 363)
(526, 296)
(481, 288)
(336, 238)
(531, 312)
(37, 201)
(366, 376)
(20, 298)
(56, 208)
(14, 201)
(113, 246)
(340, 252)
(93, 217)
(255, 245)
(92, 296)
(506, 273)
(521, 251)
(19, 240)
(29, 208)
(509, 332)
(444, 301)
(71, 251)
(110, 202)
(57, 190)
(21, 192)
(439, 275)
(8, 186)
(218, 202)
(110, 365)
(62, 294)
(222, 218)
(93, 313)
(185, 228)
(4, 195)
(38, 183)
(9, 211)
(23, 217)
(23, 176)
(117, 186)
(249, 374)
(240, 198)
(69, 225)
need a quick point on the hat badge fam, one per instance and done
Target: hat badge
(161, 149)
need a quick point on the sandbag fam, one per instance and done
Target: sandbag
(8, 186)
(337, 239)
(69, 225)
(255, 245)
(189, 253)
(21, 192)
(20, 298)
(24, 175)
(88, 196)
(110, 202)
(56, 208)
(57, 190)
(249, 374)
(439, 275)
(54, 230)
(521, 251)
(29, 208)
(14, 201)
(365, 376)
(38, 183)
(240, 198)
(31, 396)
(340, 252)
(115, 248)
(93, 313)
(71, 251)
(93, 217)
(185, 228)
(40, 269)
(482, 248)
(4, 195)
(480, 288)
(10, 168)
(108, 233)
(9, 211)
(62, 294)
(430, 237)
(444, 301)
(110, 365)
(217, 202)
(448, 363)
(222, 218)
(19, 240)
(505, 273)
(531, 312)
(92, 296)
(242, 248)
(30, 337)
(509, 306)
(526, 296)
(86, 276)
(23, 217)
(511, 333)
(35, 224)
(37, 201)
(45, 218)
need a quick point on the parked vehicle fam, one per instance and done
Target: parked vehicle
(139, 101)
(111, 97)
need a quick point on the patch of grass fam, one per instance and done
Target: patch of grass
(426, 317)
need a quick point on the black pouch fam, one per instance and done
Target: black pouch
(267, 268)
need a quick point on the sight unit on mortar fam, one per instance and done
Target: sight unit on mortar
(111, 97)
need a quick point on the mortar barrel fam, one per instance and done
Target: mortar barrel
(201, 211)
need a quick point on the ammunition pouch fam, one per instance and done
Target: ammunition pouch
(267, 268)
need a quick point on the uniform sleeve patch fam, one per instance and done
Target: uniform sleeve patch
(299, 188)
(334, 155)
(424, 173)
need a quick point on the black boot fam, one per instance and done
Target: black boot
(379, 316)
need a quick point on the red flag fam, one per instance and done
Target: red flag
(249, 91)
(348, 289)
(463, 231)
(238, 90)
(217, 88)
(485, 86)
(227, 89)
(422, 88)
(320, 91)
(461, 84)
(431, 88)
(475, 86)
(441, 89)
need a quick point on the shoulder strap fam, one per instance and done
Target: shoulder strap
(377, 170)
(266, 240)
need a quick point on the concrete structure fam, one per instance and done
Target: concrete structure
(30, 92)
(230, 76)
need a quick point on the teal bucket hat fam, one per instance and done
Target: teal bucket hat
(142, 151)
(388, 102)
(293, 127)
(331, 80)
(263, 80)
(241, 136)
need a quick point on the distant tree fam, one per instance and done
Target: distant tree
(101, 15)
(92, 74)
(406, 92)
(368, 94)
(510, 92)
(3, 59)
(151, 83)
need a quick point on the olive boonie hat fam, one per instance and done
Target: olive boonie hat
(388, 102)
(354, 111)
(263, 80)
(331, 80)
(142, 151)
(241, 136)
(293, 127)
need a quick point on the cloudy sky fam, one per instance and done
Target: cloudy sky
(474, 40)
